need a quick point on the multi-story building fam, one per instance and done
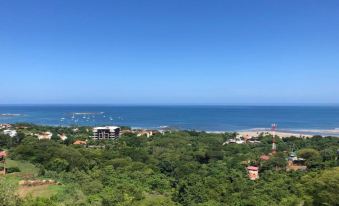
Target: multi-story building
(107, 132)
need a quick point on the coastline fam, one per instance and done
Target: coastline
(286, 133)
(283, 133)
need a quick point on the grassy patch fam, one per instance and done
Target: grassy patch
(27, 169)
(45, 191)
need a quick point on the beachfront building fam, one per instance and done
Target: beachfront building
(253, 172)
(44, 135)
(107, 132)
(11, 133)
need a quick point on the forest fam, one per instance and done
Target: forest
(177, 168)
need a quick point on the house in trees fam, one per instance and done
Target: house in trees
(295, 163)
(44, 135)
(253, 172)
(147, 133)
(237, 140)
(80, 142)
(107, 132)
(62, 136)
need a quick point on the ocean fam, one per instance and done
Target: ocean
(202, 118)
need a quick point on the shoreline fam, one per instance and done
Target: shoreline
(243, 132)
(286, 132)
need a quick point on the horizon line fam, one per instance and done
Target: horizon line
(168, 105)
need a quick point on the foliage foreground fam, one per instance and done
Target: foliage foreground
(179, 168)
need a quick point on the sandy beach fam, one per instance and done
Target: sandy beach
(296, 133)
(278, 133)
(285, 133)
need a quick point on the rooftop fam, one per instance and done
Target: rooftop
(253, 168)
(106, 127)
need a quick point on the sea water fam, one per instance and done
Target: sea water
(206, 118)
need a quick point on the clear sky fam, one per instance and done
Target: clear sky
(169, 51)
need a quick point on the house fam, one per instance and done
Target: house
(11, 133)
(44, 135)
(247, 137)
(80, 142)
(295, 163)
(237, 140)
(107, 132)
(146, 133)
(253, 140)
(5, 126)
(253, 172)
(62, 136)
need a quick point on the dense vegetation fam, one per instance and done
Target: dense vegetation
(178, 168)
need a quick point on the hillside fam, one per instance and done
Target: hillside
(175, 168)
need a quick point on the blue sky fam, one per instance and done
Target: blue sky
(169, 52)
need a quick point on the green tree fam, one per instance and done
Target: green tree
(322, 188)
(312, 156)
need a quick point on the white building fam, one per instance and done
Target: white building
(44, 135)
(147, 133)
(237, 140)
(107, 132)
(63, 137)
(11, 133)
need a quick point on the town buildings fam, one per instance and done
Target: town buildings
(107, 132)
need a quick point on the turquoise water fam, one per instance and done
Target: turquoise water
(208, 118)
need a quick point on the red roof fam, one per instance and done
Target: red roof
(253, 168)
(79, 142)
(264, 157)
